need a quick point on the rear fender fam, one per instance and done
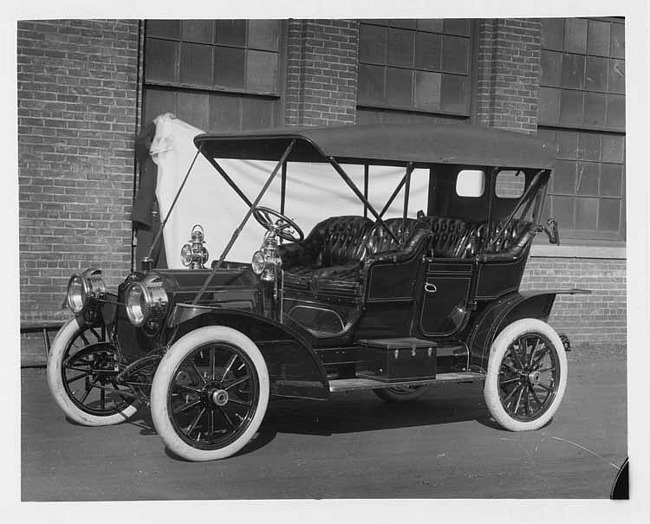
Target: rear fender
(502, 312)
(294, 368)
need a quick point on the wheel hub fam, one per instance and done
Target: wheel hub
(535, 377)
(219, 397)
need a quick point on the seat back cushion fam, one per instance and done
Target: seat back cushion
(341, 239)
(379, 240)
(512, 241)
(449, 236)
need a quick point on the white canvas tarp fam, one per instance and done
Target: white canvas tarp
(313, 193)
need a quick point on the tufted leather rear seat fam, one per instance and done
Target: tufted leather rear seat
(449, 237)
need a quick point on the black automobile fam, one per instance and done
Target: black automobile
(368, 301)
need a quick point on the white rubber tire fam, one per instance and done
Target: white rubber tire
(396, 395)
(58, 352)
(165, 373)
(497, 352)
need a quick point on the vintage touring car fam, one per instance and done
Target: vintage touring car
(366, 301)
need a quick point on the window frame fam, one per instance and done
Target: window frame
(469, 77)
(246, 102)
(574, 235)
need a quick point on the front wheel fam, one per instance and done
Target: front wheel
(210, 394)
(82, 369)
(526, 375)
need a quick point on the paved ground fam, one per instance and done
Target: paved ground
(356, 446)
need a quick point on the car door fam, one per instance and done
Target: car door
(444, 296)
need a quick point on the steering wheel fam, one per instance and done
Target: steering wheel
(284, 227)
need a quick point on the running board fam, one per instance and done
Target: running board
(358, 384)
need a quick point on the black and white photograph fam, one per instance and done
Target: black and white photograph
(344, 262)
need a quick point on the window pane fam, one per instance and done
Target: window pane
(547, 134)
(567, 144)
(609, 217)
(549, 105)
(197, 31)
(372, 44)
(553, 33)
(470, 183)
(164, 28)
(617, 76)
(571, 107)
(589, 146)
(400, 47)
(595, 109)
(229, 67)
(264, 34)
(597, 74)
(616, 111)
(587, 213)
(455, 54)
(551, 68)
(598, 39)
(575, 35)
(160, 60)
(232, 32)
(371, 84)
(587, 178)
(196, 64)
(261, 71)
(564, 177)
(158, 102)
(456, 26)
(428, 51)
(225, 113)
(617, 41)
(257, 113)
(613, 148)
(611, 180)
(573, 71)
(455, 94)
(399, 86)
(510, 184)
(563, 211)
(194, 108)
(427, 90)
(405, 23)
(433, 25)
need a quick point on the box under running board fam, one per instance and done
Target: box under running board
(356, 384)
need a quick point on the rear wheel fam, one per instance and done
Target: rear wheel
(401, 393)
(526, 376)
(210, 394)
(82, 369)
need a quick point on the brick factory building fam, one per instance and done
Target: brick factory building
(87, 87)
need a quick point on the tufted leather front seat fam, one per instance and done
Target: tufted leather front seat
(330, 259)
(333, 242)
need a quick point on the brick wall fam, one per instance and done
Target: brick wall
(77, 114)
(321, 85)
(508, 63)
(599, 317)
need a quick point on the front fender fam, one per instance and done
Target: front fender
(504, 311)
(294, 368)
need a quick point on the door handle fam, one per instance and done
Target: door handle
(430, 288)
